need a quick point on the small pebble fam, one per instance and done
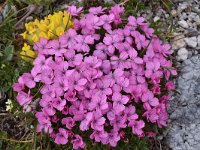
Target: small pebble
(191, 41)
(156, 18)
(183, 24)
(198, 40)
(174, 13)
(182, 54)
(178, 42)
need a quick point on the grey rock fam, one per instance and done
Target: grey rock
(198, 40)
(183, 24)
(191, 41)
(182, 54)
(191, 32)
(184, 130)
(178, 42)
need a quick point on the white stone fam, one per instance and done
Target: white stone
(156, 18)
(197, 20)
(183, 6)
(198, 40)
(183, 24)
(182, 54)
(183, 15)
(191, 41)
(174, 13)
(178, 42)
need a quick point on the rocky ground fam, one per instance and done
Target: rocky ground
(184, 127)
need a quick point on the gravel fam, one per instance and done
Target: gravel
(184, 129)
(183, 132)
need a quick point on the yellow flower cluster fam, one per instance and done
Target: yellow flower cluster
(51, 27)
(27, 53)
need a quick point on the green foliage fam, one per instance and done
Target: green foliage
(7, 53)
(132, 7)
(37, 2)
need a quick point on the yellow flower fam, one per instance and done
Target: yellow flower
(51, 27)
(26, 53)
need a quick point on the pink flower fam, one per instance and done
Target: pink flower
(17, 87)
(84, 126)
(117, 11)
(98, 121)
(74, 11)
(137, 127)
(98, 102)
(77, 110)
(47, 76)
(69, 122)
(48, 90)
(156, 89)
(112, 42)
(60, 86)
(170, 86)
(24, 98)
(61, 137)
(126, 50)
(131, 113)
(115, 76)
(107, 20)
(70, 96)
(113, 138)
(42, 117)
(103, 87)
(68, 36)
(118, 102)
(65, 110)
(150, 134)
(42, 46)
(41, 63)
(149, 98)
(77, 82)
(119, 122)
(46, 127)
(82, 43)
(93, 62)
(47, 105)
(151, 115)
(162, 119)
(99, 135)
(96, 10)
(56, 48)
(59, 104)
(55, 119)
(78, 142)
(148, 31)
(28, 80)
(93, 22)
(135, 21)
(140, 40)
